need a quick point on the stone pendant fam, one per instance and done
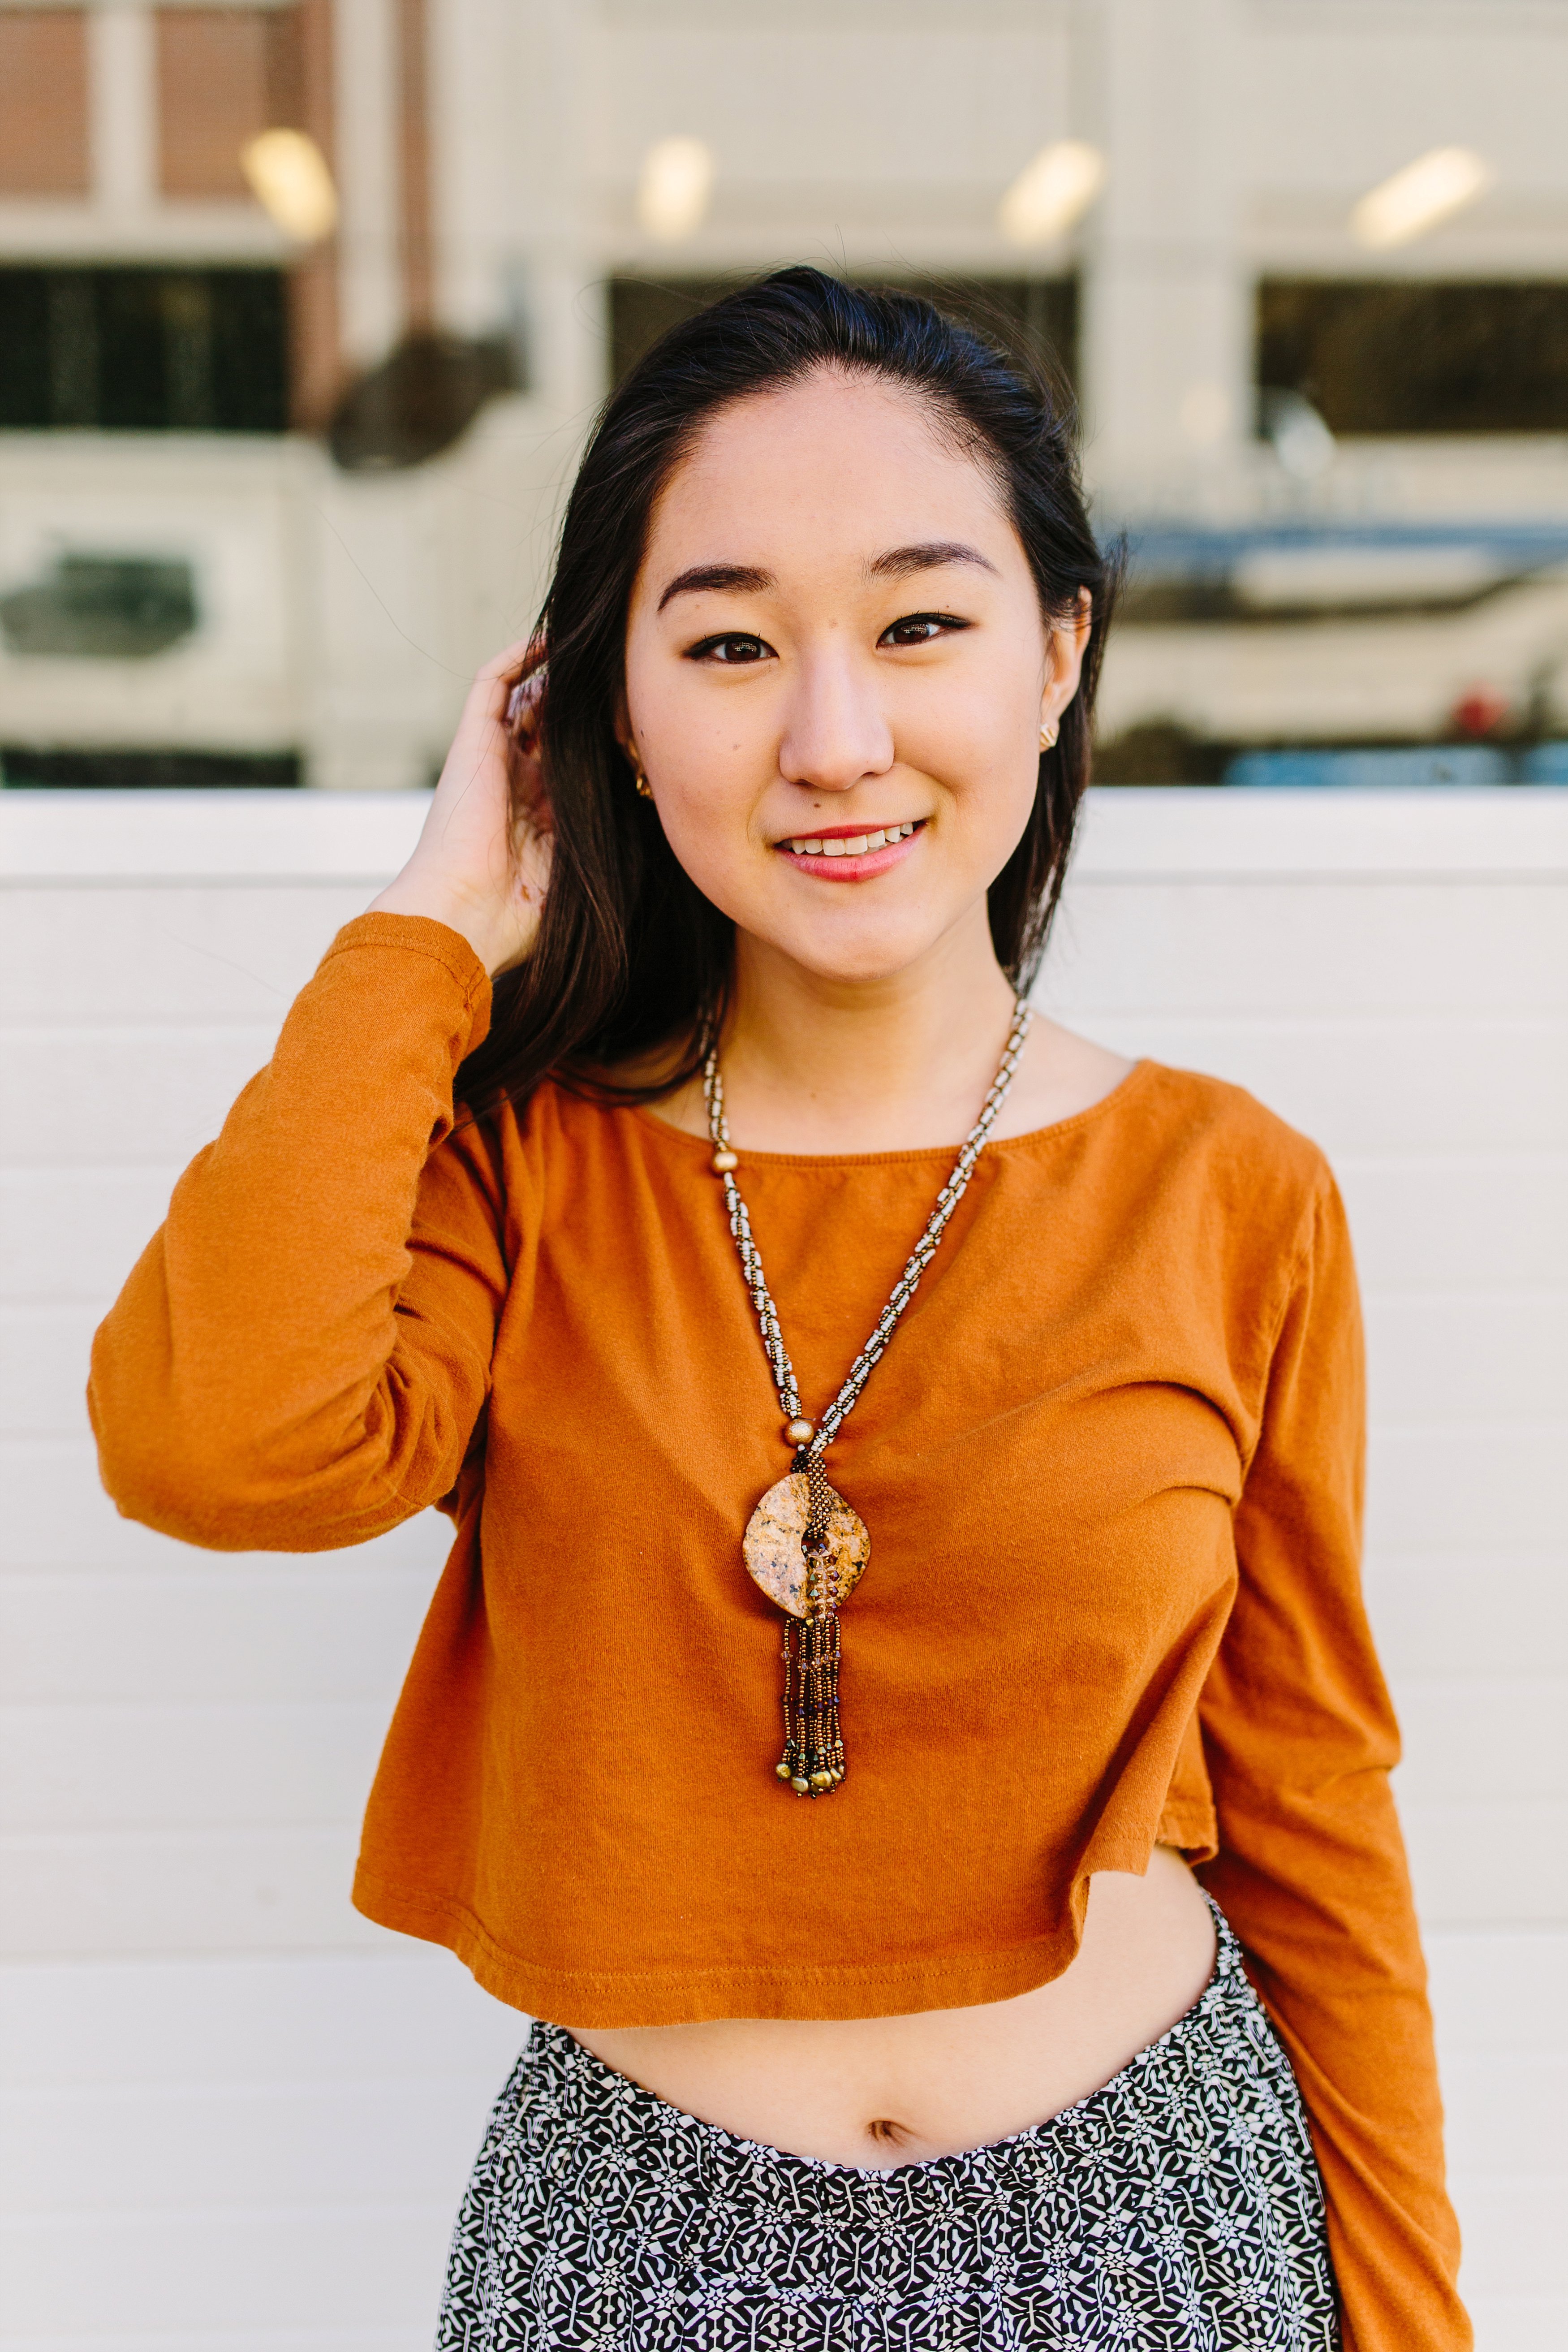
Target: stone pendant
(775, 1556)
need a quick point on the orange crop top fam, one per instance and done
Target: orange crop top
(1111, 1468)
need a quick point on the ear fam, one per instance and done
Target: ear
(1067, 641)
(622, 723)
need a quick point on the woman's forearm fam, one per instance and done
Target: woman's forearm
(240, 1388)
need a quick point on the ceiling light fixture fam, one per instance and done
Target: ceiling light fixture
(287, 175)
(1415, 199)
(673, 189)
(1050, 194)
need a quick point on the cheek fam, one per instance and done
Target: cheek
(705, 831)
(706, 782)
(981, 742)
(711, 757)
(697, 740)
(713, 845)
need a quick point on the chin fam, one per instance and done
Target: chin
(853, 955)
(846, 934)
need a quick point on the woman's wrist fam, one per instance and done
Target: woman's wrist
(488, 931)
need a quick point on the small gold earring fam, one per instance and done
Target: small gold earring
(638, 779)
(1048, 736)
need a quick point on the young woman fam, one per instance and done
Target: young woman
(902, 1645)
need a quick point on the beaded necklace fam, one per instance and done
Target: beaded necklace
(803, 1545)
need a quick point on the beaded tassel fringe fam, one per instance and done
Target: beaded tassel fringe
(813, 1758)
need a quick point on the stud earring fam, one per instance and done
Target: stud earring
(1048, 736)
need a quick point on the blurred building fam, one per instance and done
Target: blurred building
(283, 427)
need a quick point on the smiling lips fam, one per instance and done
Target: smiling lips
(848, 856)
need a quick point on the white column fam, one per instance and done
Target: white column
(1165, 327)
(122, 99)
(555, 260)
(481, 112)
(512, 200)
(370, 280)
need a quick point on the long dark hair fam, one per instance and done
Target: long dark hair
(630, 956)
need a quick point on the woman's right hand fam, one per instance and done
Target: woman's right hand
(482, 862)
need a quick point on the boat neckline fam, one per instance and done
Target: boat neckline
(1111, 1100)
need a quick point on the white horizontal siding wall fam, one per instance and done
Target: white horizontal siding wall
(238, 2115)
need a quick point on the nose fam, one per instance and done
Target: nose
(836, 733)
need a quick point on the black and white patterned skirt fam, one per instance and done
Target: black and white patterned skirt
(1176, 2210)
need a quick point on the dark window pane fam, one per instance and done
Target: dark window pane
(24, 396)
(23, 770)
(249, 351)
(75, 377)
(186, 305)
(1035, 318)
(144, 351)
(133, 378)
(1407, 356)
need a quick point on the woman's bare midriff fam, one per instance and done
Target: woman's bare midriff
(884, 2091)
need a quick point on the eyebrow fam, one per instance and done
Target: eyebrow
(926, 556)
(744, 577)
(895, 563)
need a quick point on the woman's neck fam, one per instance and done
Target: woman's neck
(818, 1066)
(822, 1067)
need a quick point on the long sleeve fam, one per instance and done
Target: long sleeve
(1300, 1737)
(301, 1355)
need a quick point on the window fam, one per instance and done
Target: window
(1037, 318)
(1418, 356)
(24, 769)
(144, 351)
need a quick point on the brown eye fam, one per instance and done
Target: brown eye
(733, 651)
(921, 629)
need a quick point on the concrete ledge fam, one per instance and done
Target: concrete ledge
(1190, 832)
(1145, 831)
(206, 836)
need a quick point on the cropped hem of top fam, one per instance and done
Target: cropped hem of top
(601, 1998)
(1111, 1468)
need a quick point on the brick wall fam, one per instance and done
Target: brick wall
(224, 74)
(43, 102)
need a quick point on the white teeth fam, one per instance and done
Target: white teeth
(855, 846)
